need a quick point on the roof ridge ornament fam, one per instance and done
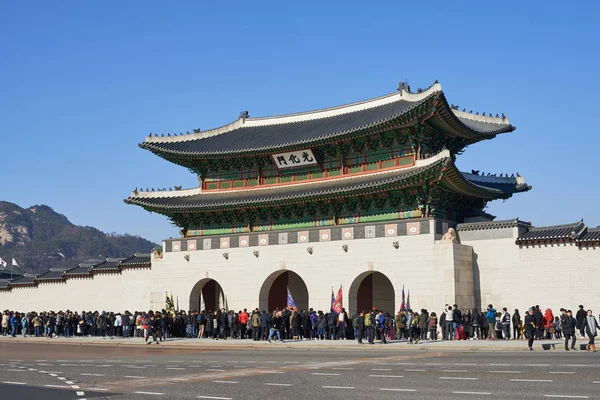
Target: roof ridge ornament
(243, 115)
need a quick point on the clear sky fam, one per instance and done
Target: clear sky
(82, 83)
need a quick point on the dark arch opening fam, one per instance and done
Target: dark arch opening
(273, 293)
(208, 291)
(372, 289)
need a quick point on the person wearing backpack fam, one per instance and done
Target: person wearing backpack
(415, 333)
(368, 327)
(432, 326)
(400, 320)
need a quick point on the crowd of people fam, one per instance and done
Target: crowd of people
(373, 325)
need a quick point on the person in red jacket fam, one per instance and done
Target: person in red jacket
(548, 320)
(243, 318)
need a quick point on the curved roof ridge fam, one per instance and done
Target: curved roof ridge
(571, 225)
(401, 95)
(481, 118)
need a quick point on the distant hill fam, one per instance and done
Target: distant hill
(40, 238)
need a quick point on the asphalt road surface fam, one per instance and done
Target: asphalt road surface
(56, 371)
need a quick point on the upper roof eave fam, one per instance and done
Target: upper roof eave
(174, 147)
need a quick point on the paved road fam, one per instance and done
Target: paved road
(60, 371)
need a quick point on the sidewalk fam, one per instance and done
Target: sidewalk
(210, 344)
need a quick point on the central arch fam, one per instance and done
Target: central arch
(372, 289)
(211, 292)
(273, 292)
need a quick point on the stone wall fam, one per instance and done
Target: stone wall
(488, 267)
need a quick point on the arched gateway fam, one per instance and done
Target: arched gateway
(209, 291)
(273, 293)
(372, 289)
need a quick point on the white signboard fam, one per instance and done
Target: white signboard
(292, 159)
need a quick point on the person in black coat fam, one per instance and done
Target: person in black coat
(580, 316)
(568, 324)
(530, 328)
(360, 326)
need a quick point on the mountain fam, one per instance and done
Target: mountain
(40, 238)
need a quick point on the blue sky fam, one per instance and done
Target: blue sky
(82, 83)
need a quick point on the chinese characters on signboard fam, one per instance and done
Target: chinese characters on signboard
(298, 158)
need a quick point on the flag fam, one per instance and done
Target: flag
(408, 301)
(3, 263)
(339, 303)
(290, 300)
(14, 263)
(221, 299)
(172, 302)
(168, 303)
(403, 305)
(202, 305)
(332, 300)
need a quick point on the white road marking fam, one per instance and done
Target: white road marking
(98, 389)
(476, 393)
(53, 375)
(16, 370)
(175, 368)
(75, 386)
(386, 376)
(464, 364)
(104, 365)
(414, 370)
(398, 390)
(560, 372)
(69, 382)
(62, 360)
(564, 396)
(596, 382)
(57, 386)
(225, 381)
(136, 366)
(69, 365)
(505, 372)
(80, 393)
(214, 370)
(214, 398)
(15, 360)
(324, 374)
(458, 378)
(134, 377)
(278, 384)
(41, 360)
(531, 380)
(381, 369)
(337, 387)
(151, 393)
(537, 365)
(31, 369)
(14, 383)
(178, 379)
(272, 372)
(62, 378)
(236, 366)
(433, 364)
(455, 370)
(500, 365)
(344, 369)
(405, 363)
(44, 364)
